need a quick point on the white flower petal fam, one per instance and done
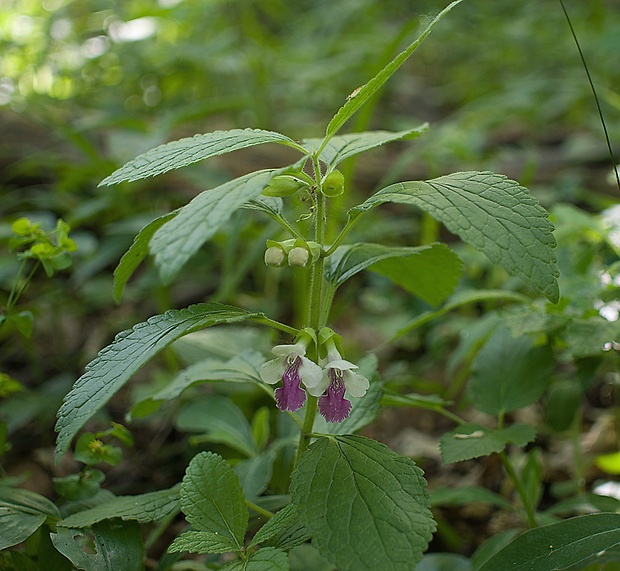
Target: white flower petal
(341, 364)
(286, 350)
(356, 385)
(271, 372)
(310, 373)
(318, 389)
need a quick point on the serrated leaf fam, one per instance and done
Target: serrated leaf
(202, 542)
(466, 495)
(365, 92)
(430, 272)
(220, 420)
(343, 147)
(588, 337)
(117, 545)
(509, 373)
(180, 238)
(143, 508)
(138, 250)
(494, 214)
(271, 205)
(366, 506)
(189, 150)
(131, 349)
(284, 530)
(22, 512)
(469, 441)
(212, 498)
(563, 545)
(266, 559)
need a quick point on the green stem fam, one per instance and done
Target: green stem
(259, 510)
(275, 324)
(529, 511)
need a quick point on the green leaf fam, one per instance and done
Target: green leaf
(469, 441)
(532, 477)
(306, 558)
(183, 152)
(588, 337)
(430, 272)
(365, 506)
(342, 147)
(444, 562)
(284, 530)
(559, 546)
(212, 498)
(202, 542)
(492, 213)
(131, 349)
(271, 205)
(136, 253)
(143, 508)
(365, 92)
(266, 559)
(180, 238)
(22, 512)
(117, 545)
(467, 495)
(509, 373)
(255, 473)
(220, 420)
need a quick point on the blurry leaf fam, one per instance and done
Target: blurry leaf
(180, 238)
(202, 542)
(585, 503)
(366, 91)
(559, 546)
(117, 545)
(609, 463)
(466, 495)
(562, 403)
(75, 487)
(414, 400)
(365, 410)
(531, 477)
(443, 562)
(492, 213)
(131, 349)
(212, 499)
(587, 337)
(143, 508)
(90, 450)
(491, 546)
(136, 253)
(22, 512)
(261, 430)
(183, 152)
(469, 441)
(255, 473)
(509, 373)
(284, 530)
(265, 559)
(220, 420)
(342, 147)
(23, 322)
(529, 319)
(305, 557)
(365, 506)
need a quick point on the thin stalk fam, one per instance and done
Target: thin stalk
(529, 511)
(258, 509)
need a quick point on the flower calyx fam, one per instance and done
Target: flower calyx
(285, 185)
(296, 252)
(333, 184)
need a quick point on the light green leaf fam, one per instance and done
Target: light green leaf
(587, 337)
(220, 420)
(183, 152)
(117, 545)
(467, 495)
(131, 349)
(202, 542)
(266, 559)
(572, 542)
(255, 473)
(509, 373)
(469, 441)
(444, 562)
(365, 92)
(143, 508)
(342, 147)
(284, 530)
(212, 499)
(180, 238)
(136, 253)
(365, 506)
(22, 512)
(492, 213)
(430, 272)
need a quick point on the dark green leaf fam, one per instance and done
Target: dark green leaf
(131, 349)
(183, 152)
(444, 562)
(466, 495)
(562, 403)
(266, 559)
(366, 506)
(559, 546)
(284, 531)
(212, 498)
(255, 473)
(469, 441)
(492, 213)
(202, 542)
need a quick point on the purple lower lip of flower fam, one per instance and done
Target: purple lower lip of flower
(332, 405)
(290, 396)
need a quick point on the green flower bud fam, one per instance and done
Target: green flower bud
(274, 256)
(333, 184)
(298, 256)
(283, 185)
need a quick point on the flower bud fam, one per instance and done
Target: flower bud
(283, 185)
(333, 184)
(274, 256)
(298, 256)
